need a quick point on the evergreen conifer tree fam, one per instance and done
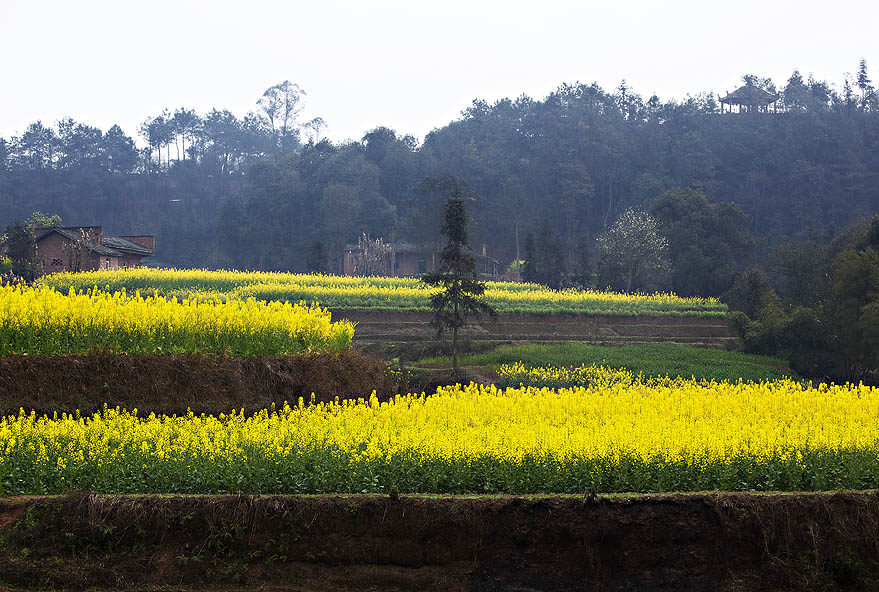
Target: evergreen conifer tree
(455, 273)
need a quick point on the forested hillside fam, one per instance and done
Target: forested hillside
(266, 192)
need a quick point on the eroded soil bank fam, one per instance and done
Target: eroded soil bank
(174, 383)
(411, 327)
(717, 542)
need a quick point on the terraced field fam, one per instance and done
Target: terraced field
(396, 486)
(387, 327)
(378, 293)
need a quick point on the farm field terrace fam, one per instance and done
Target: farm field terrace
(382, 293)
(48, 322)
(619, 435)
(551, 364)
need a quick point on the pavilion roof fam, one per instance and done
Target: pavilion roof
(749, 95)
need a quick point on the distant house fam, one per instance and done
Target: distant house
(410, 259)
(85, 248)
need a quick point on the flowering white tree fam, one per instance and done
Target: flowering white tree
(634, 250)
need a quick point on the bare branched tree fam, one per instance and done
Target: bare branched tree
(281, 105)
(77, 249)
(375, 258)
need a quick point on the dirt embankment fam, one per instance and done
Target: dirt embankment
(172, 384)
(377, 327)
(716, 542)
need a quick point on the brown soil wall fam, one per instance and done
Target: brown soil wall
(716, 542)
(173, 384)
(408, 326)
(384, 316)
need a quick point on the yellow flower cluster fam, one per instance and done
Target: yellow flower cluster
(42, 320)
(672, 419)
(593, 375)
(380, 292)
(676, 430)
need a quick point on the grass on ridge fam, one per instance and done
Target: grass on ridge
(649, 359)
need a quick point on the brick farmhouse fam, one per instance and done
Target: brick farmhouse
(85, 248)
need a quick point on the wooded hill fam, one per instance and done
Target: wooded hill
(266, 192)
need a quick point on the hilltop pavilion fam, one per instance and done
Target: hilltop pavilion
(749, 99)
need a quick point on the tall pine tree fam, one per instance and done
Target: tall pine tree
(455, 273)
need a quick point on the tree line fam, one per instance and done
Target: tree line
(550, 176)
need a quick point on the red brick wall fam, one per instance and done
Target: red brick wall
(91, 261)
(53, 259)
(50, 254)
(130, 261)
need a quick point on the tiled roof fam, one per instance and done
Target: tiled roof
(120, 243)
(749, 95)
(75, 236)
(111, 246)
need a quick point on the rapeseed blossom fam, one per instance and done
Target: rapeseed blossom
(44, 321)
(379, 292)
(621, 435)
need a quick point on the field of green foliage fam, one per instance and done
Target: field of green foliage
(650, 360)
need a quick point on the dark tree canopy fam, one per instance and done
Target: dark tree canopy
(707, 242)
(828, 330)
(545, 259)
(20, 248)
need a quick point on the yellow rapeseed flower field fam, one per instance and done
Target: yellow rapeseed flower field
(44, 321)
(655, 435)
(592, 375)
(377, 292)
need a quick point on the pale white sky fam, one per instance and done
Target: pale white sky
(409, 65)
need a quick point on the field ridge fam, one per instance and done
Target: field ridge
(342, 543)
(375, 327)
